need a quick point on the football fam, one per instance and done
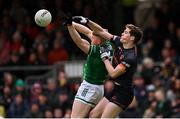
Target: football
(42, 17)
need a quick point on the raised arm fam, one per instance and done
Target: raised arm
(83, 29)
(97, 29)
(114, 72)
(106, 58)
(81, 43)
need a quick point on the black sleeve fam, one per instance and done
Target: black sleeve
(128, 63)
(116, 41)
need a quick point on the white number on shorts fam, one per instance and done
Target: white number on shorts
(84, 92)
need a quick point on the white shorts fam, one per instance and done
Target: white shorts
(90, 94)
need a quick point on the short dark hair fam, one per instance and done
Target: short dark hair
(136, 32)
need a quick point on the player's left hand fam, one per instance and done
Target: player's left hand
(105, 53)
(80, 19)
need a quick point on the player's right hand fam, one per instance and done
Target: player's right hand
(80, 19)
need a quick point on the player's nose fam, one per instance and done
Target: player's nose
(122, 34)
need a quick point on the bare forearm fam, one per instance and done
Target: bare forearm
(95, 27)
(109, 67)
(74, 34)
(82, 29)
(114, 72)
(81, 43)
(99, 30)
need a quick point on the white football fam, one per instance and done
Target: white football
(42, 17)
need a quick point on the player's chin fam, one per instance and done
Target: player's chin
(122, 40)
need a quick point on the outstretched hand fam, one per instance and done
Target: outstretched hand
(80, 19)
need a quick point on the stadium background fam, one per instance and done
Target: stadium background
(41, 68)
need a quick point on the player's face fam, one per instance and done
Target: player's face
(125, 36)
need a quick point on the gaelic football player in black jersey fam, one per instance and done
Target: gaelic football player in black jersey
(121, 70)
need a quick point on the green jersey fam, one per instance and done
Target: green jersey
(94, 70)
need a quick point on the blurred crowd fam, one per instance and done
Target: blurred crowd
(53, 100)
(22, 43)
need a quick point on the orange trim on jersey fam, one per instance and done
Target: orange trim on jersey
(122, 66)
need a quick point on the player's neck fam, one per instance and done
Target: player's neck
(128, 46)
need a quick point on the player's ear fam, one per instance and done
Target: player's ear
(132, 38)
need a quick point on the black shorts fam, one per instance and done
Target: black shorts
(121, 96)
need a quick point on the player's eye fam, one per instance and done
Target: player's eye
(125, 32)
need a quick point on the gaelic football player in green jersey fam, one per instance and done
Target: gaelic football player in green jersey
(94, 73)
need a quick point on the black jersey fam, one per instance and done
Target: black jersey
(126, 57)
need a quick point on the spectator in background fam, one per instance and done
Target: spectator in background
(36, 91)
(16, 42)
(8, 79)
(63, 101)
(173, 94)
(148, 49)
(59, 36)
(168, 45)
(43, 103)
(63, 83)
(163, 107)
(174, 89)
(22, 54)
(41, 54)
(168, 67)
(15, 60)
(20, 88)
(32, 59)
(140, 89)
(150, 89)
(41, 38)
(171, 27)
(58, 113)
(41, 48)
(147, 71)
(57, 54)
(150, 111)
(51, 92)
(157, 81)
(18, 107)
(7, 97)
(34, 112)
(48, 113)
